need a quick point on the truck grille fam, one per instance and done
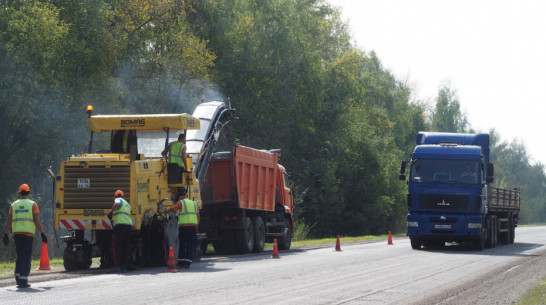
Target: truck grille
(444, 202)
(99, 193)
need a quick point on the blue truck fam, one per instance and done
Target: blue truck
(450, 194)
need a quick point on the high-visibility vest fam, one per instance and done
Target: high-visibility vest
(122, 216)
(175, 153)
(22, 219)
(187, 215)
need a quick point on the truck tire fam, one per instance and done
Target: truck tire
(245, 238)
(505, 237)
(286, 240)
(259, 234)
(495, 231)
(479, 244)
(512, 229)
(490, 228)
(415, 243)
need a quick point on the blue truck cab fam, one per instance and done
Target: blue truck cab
(448, 191)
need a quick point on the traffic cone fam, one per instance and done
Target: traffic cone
(275, 250)
(44, 259)
(390, 238)
(170, 264)
(338, 246)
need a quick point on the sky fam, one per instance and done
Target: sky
(491, 52)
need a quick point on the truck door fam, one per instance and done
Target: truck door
(287, 193)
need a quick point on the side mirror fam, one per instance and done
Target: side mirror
(402, 177)
(403, 167)
(490, 173)
(490, 169)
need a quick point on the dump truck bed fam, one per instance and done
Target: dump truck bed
(244, 177)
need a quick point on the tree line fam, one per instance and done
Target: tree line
(342, 120)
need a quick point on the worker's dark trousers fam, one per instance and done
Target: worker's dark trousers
(121, 242)
(188, 239)
(23, 247)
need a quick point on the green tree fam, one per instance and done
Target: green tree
(513, 169)
(447, 116)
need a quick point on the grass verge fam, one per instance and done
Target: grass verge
(535, 295)
(7, 268)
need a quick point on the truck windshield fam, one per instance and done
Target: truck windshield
(445, 171)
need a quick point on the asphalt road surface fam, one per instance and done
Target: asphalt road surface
(362, 273)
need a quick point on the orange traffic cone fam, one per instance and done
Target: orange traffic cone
(338, 246)
(44, 259)
(170, 264)
(275, 250)
(390, 238)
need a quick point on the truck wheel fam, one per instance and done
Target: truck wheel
(479, 244)
(286, 240)
(259, 234)
(506, 235)
(491, 227)
(245, 237)
(495, 231)
(415, 243)
(512, 229)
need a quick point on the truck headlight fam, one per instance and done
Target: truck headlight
(475, 225)
(413, 224)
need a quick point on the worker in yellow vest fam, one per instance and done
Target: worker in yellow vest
(123, 227)
(177, 155)
(188, 220)
(23, 219)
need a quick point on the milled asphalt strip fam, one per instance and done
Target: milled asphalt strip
(503, 285)
(410, 280)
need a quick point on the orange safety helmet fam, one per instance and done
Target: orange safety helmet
(118, 193)
(24, 188)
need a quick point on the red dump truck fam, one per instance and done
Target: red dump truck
(247, 202)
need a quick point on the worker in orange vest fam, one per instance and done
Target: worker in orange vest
(23, 219)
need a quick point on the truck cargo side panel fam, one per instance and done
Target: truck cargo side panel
(502, 199)
(255, 173)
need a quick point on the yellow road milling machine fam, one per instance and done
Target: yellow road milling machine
(131, 161)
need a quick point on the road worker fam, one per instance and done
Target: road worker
(23, 218)
(177, 157)
(188, 220)
(123, 226)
